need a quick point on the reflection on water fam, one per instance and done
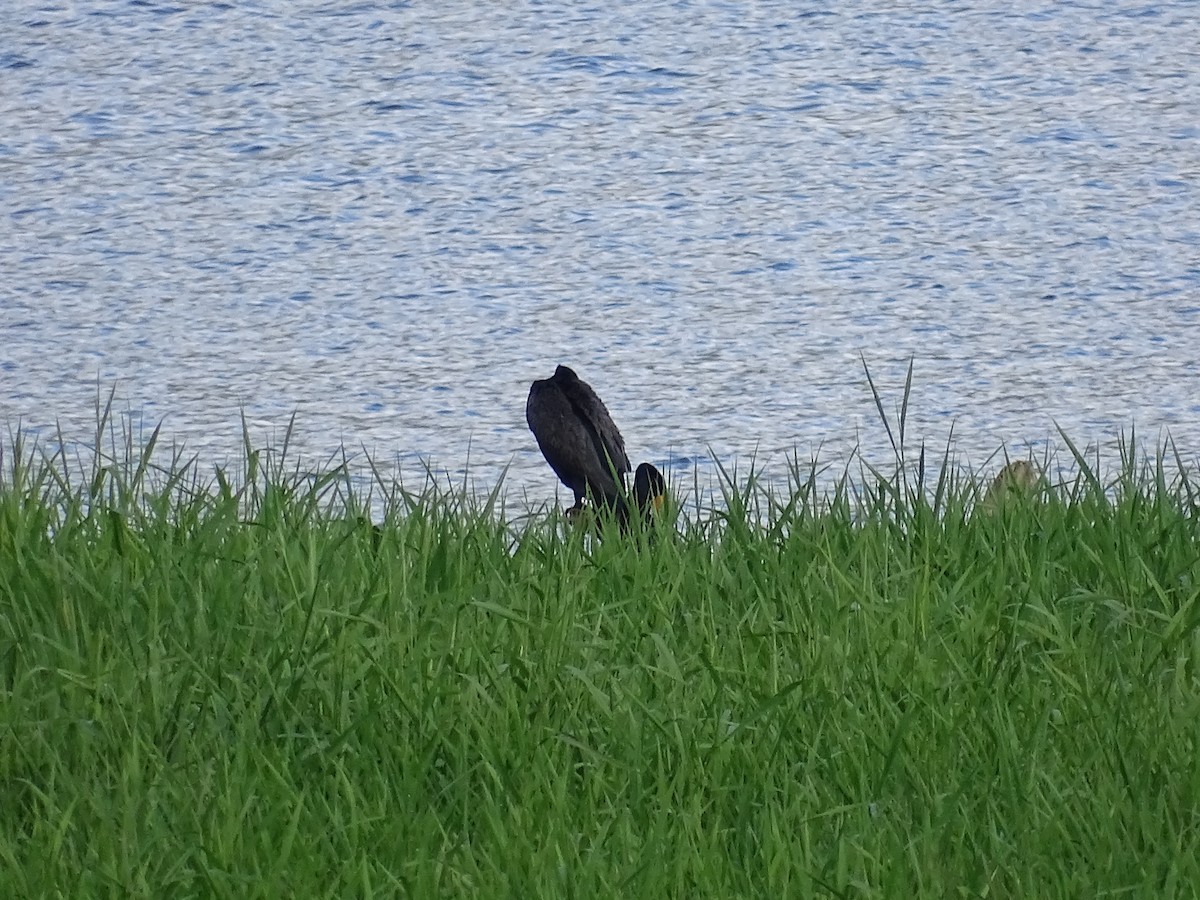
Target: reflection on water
(392, 217)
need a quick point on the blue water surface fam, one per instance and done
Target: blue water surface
(392, 216)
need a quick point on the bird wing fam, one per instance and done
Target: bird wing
(568, 441)
(603, 430)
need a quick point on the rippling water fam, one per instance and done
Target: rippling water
(390, 217)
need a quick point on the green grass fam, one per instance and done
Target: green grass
(238, 687)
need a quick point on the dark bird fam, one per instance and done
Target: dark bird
(579, 439)
(649, 489)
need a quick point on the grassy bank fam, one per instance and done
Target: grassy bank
(237, 687)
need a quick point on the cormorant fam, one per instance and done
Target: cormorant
(579, 439)
(649, 489)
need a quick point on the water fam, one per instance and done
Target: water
(391, 217)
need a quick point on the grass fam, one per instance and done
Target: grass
(238, 687)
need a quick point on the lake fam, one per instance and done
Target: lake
(389, 218)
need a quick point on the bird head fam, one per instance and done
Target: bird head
(649, 489)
